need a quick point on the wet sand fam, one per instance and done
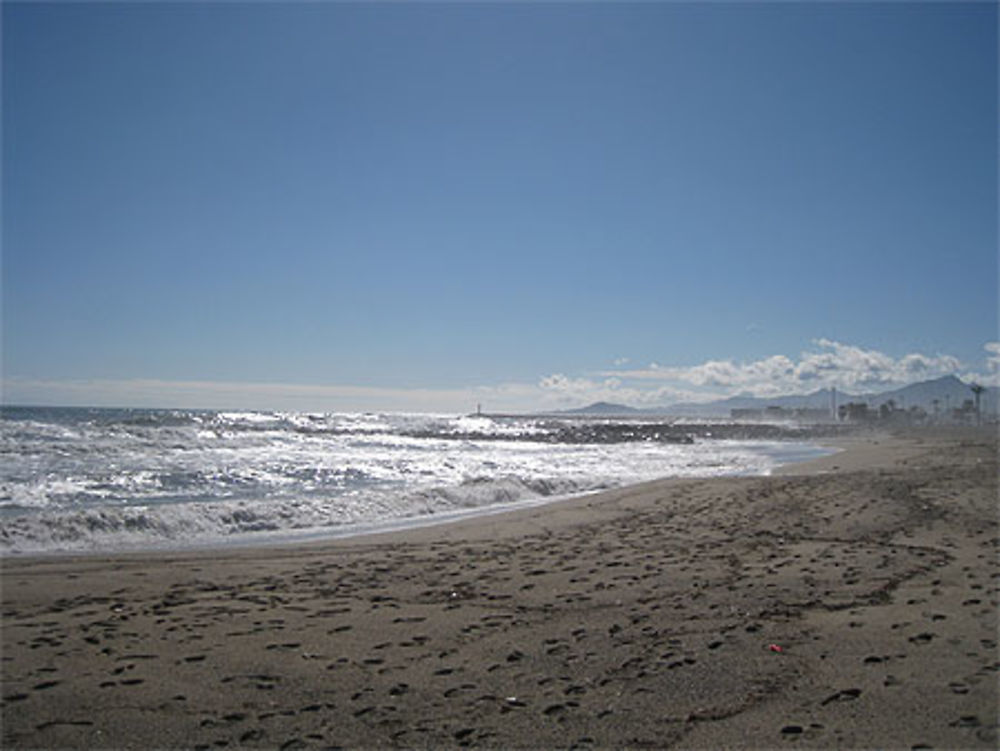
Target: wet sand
(847, 603)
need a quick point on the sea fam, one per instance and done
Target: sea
(76, 480)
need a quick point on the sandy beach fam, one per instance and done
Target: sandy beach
(850, 602)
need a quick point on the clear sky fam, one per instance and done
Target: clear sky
(398, 206)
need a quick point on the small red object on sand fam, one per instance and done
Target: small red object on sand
(775, 648)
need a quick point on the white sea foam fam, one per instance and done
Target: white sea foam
(87, 480)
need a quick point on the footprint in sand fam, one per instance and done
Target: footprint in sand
(848, 694)
(54, 723)
(966, 721)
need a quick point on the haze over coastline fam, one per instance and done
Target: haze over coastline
(702, 388)
(345, 207)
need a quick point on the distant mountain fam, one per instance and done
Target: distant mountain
(820, 399)
(601, 408)
(949, 391)
(816, 400)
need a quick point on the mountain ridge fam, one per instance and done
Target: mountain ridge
(948, 391)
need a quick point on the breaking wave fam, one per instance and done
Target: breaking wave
(96, 480)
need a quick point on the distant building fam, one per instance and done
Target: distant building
(855, 412)
(888, 413)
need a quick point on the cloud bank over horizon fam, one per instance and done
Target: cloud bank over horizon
(835, 364)
(847, 367)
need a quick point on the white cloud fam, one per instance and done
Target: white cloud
(991, 375)
(852, 367)
(843, 366)
(993, 358)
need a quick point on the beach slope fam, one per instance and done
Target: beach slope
(849, 603)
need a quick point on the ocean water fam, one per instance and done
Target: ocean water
(103, 479)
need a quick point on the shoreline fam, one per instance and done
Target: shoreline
(641, 616)
(321, 535)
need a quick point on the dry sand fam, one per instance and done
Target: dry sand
(637, 618)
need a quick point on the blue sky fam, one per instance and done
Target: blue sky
(389, 206)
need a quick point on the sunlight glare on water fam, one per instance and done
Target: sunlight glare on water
(77, 479)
